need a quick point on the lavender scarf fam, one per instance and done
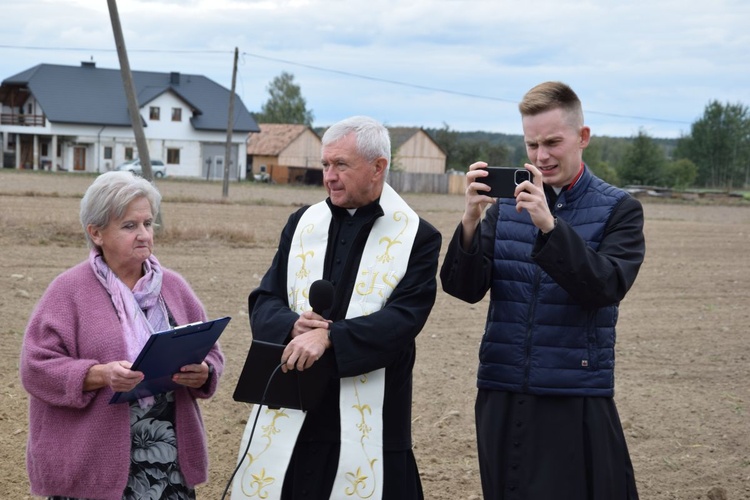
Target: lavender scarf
(130, 305)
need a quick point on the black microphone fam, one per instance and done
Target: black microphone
(321, 296)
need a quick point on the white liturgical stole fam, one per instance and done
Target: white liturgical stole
(384, 262)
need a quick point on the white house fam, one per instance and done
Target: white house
(75, 118)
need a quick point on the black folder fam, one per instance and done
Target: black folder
(166, 352)
(299, 390)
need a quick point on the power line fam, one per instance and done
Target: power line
(89, 49)
(445, 91)
(337, 72)
(377, 79)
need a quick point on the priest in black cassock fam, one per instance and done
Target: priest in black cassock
(382, 261)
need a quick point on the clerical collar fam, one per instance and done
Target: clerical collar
(365, 211)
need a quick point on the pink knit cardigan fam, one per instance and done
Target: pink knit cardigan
(78, 444)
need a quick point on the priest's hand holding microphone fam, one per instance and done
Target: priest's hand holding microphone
(311, 332)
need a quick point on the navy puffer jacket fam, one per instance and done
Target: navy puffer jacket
(538, 339)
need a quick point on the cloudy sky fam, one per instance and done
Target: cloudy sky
(635, 64)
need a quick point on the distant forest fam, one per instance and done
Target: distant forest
(464, 148)
(714, 155)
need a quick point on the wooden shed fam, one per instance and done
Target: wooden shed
(415, 152)
(285, 154)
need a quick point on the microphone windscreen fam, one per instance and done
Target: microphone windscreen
(321, 296)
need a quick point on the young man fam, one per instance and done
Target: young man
(557, 259)
(382, 261)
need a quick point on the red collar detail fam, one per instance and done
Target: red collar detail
(578, 176)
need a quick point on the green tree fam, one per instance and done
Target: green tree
(593, 156)
(285, 104)
(474, 150)
(612, 148)
(447, 139)
(463, 149)
(605, 172)
(681, 173)
(719, 145)
(644, 162)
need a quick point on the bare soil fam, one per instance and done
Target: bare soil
(683, 352)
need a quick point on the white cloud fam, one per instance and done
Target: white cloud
(637, 64)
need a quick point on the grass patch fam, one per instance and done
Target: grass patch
(258, 202)
(39, 194)
(68, 234)
(228, 236)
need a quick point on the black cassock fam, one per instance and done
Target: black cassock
(534, 447)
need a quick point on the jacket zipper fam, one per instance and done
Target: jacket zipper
(529, 329)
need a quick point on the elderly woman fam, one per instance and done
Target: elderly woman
(82, 337)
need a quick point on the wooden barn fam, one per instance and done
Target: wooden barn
(284, 154)
(415, 152)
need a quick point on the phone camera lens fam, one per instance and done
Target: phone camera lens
(521, 175)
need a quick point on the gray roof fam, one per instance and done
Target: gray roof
(89, 95)
(399, 136)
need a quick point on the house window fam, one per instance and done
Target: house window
(30, 108)
(153, 112)
(176, 114)
(173, 156)
(45, 149)
(128, 153)
(107, 152)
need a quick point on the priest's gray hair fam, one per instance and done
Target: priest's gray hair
(373, 139)
(108, 197)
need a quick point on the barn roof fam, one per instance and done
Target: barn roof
(399, 136)
(274, 138)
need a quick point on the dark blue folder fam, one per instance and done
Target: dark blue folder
(166, 352)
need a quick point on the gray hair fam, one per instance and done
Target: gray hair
(373, 140)
(108, 197)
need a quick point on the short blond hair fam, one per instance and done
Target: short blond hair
(552, 95)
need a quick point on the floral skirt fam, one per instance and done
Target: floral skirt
(154, 471)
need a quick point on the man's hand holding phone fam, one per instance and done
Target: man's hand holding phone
(533, 200)
(524, 184)
(504, 181)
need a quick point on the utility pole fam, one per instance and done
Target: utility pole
(127, 81)
(230, 126)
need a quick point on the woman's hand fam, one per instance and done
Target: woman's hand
(116, 375)
(193, 376)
